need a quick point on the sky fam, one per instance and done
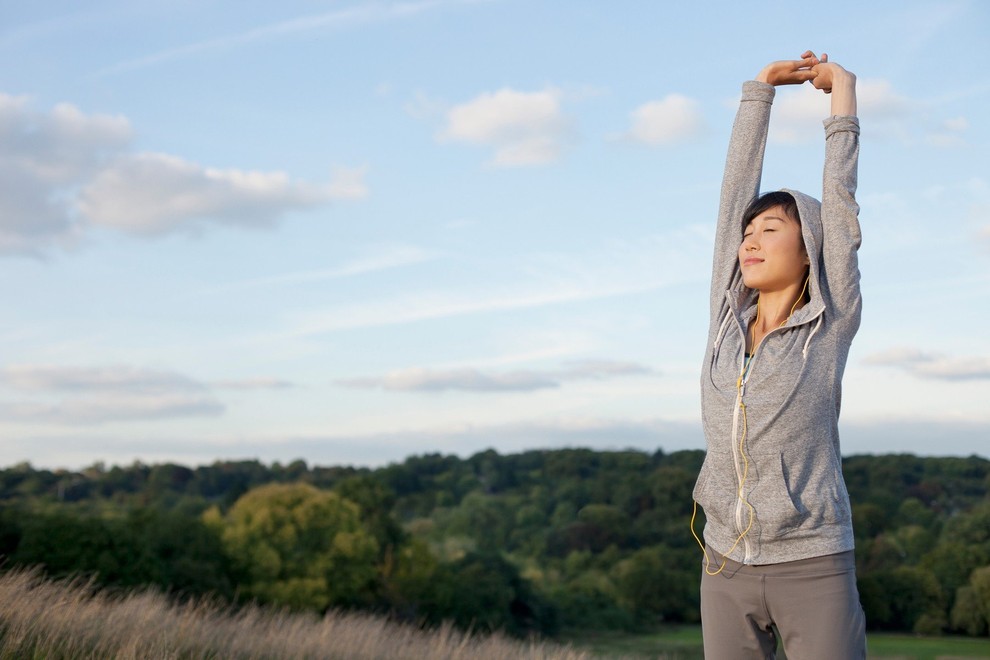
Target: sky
(350, 232)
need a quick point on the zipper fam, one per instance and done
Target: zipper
(737, 458)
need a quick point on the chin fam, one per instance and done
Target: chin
(752, 284)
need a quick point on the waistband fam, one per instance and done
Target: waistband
(841, 562)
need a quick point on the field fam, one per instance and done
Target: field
(42, 618)
(684, 643)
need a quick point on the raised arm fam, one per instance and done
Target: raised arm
(841, 84)
(840, 212)
(744, 165)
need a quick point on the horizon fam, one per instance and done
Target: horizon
(310, 465)
(363, 230)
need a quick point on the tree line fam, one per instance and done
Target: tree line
(529, 542)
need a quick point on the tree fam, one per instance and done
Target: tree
(300, 546)
(904, 598)
(971, 612)
(653, 588)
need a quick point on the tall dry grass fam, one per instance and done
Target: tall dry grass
(41, 618)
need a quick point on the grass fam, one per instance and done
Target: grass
(911, 647)
(684, 643)
(40, 618)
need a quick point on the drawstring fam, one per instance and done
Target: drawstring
(721, 330)
(804, 352)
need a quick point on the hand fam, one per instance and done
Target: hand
(830, 77)
(830, 74)
(790, 72)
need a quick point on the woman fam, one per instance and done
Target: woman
(785, 305)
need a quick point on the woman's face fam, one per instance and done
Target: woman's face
(772, 254)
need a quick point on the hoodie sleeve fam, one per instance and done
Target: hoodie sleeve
(840, 219)
(740, 185)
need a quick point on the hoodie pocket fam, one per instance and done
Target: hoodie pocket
(716, 489)
(778, 511)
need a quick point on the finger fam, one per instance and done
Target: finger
(824, 57)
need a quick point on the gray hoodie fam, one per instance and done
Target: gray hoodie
(780, 454)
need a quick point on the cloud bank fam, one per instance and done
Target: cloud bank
(890, 114)
(63, 172)
(932, 365)
(73, 396)
(475, 380)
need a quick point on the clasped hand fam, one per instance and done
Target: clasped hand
(819, 71)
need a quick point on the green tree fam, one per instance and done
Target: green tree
(300, 546)
(483, 591)
(653, 588)
(904, 598)
(971, 612)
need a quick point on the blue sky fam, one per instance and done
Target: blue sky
(353, 231)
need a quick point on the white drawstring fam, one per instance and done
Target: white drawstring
(804, 353)
(721, 331)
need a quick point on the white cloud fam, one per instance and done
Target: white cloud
(62, 172)
(889, 114)
(117, 378)
(156, 193)
(107, 408)
(431, 380)
(932, 365)
(258, 383)
(59, 146)
(524, 128)
(42, 157)
(605, 369)
(671, 120)
(95, 395)
(798, 112)
(475, 380)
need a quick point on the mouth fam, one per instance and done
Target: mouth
(751, 261)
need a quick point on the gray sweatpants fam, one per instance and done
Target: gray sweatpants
(814, 604)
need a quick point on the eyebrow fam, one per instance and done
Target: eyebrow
(768, 217)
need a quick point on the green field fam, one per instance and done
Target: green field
(684, 643)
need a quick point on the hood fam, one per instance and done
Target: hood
(810, 210)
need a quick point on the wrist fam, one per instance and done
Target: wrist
(843, 78)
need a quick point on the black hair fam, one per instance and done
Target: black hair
(767, 201)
